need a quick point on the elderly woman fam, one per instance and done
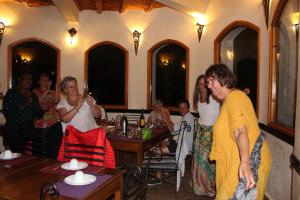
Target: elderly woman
(155, 117)
(235, 133)
(203, 170)
(75, 109)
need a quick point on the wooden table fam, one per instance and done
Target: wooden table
(137, 147)
(24, 181)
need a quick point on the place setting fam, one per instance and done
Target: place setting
(68, 168)
(9, 158)
(80, 181)
(9, 155)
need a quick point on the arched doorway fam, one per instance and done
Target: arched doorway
(237, 46)
(168, 73)
(35, 56)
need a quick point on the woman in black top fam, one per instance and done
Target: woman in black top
(20, 108)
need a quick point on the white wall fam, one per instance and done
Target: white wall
(48, 24)
(279, 183)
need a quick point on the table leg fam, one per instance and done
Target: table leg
(139, 158)
(118, 195)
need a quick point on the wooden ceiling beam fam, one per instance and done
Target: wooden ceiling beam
(79, 5)
(188, 7)
(149, 6)
(68, 9)
(99, 6)
(123, 6)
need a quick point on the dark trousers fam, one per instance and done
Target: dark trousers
(10, 139)
(44, 142)
(53, 136)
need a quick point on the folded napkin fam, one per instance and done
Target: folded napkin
(80, 191)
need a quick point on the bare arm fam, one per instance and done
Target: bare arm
(242, 141)
(96, 110)
(67, 116)
(57, 93)
(166, 117)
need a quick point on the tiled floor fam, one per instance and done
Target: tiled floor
(167, 192)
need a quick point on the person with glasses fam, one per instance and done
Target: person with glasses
(235, 134)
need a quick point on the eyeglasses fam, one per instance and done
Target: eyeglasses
(210, 80)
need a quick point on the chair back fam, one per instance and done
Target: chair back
(91, 147)
(133, 118)
(48, 189)
(184, 126)
(32, 142)
(134, 184)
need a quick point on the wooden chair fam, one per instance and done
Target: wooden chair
(166, 163)
(31, 142)
(134, 183)
(48, 189)
(133, 118)
(91, 147)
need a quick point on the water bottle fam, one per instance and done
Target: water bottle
(124, 124)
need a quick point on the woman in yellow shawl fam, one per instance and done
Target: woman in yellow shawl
(234, 135)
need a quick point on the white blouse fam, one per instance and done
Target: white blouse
(83, 120)
(208, 113)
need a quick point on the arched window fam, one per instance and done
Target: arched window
(168, 73)
(35, 56)
(237, 46)
(284, 67)
(106, 74)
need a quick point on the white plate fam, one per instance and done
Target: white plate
(88, 179)
(14, 155)
(81, 165)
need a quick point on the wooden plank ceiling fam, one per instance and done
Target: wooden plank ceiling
(102, 5)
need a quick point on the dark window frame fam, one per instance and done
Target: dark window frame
(108, 106)
(32, 39)
(273, 74)
(149, 70)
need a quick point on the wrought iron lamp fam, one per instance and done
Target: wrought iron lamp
(266, 4)
(72, 34)
(2, 27)
(200, 30)
(297, 30)
(136, 40)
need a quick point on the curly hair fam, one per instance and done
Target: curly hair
(223, 74)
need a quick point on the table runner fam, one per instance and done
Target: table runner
(56, 169)
(16, 161)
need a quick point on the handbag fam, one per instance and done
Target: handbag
(241, 192)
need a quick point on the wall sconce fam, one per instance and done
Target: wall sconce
(72, 34)
(2, 27)
(266, 5)
(200, 30)
(297, 30)
(136, 40)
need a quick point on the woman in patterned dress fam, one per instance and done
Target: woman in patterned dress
(203, 170)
